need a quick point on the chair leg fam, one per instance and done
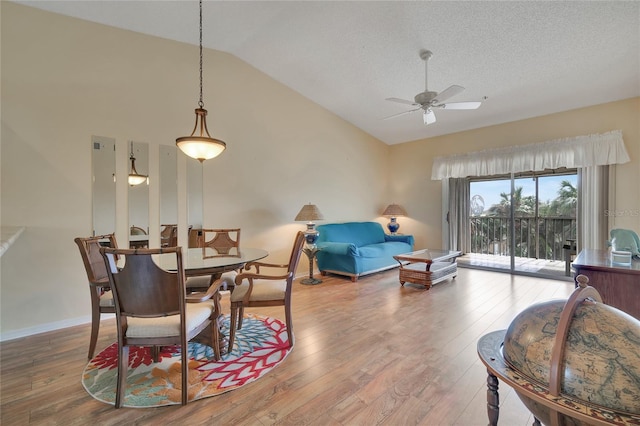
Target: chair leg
(287, 315)
(123, 364)
(185, 373)
(155, 353)
(215, 339)
(240, 317)
(232, 326)
(95, 327)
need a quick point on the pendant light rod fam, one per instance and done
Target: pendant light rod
(200, 145)
(201, 102)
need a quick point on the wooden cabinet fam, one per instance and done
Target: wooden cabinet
(619, 285)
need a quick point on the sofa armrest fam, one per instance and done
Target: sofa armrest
(402, 238)
(338, 248)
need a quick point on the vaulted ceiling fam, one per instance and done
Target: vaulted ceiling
(528, 58)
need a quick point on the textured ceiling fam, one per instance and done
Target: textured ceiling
(529, 58)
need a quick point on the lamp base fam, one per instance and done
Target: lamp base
(311, 281)
(311, 234)
(393, 226)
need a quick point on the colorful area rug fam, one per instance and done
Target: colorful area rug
(259, 347)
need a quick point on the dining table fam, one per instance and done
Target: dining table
(210, 262)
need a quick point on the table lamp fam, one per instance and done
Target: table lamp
(309, 213)
(392, 211)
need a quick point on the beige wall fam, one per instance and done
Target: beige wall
(64, 80)
(411, 162)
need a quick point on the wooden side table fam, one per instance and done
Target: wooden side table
(311, 254)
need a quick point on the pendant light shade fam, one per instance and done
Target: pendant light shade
(200, 145)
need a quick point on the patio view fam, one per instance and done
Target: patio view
(539, 233)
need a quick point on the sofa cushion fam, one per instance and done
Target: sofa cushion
(346, 249)
(357, 233)
(388, 249)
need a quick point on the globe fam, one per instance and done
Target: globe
(600, 364)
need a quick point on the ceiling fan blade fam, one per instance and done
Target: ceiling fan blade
(429, 117)
(461, 105)
(447, 93)
(402, 101)
(401, 113)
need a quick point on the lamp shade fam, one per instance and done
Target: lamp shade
(308, 213)
(394, 210)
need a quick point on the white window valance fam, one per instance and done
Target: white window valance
(581, 151)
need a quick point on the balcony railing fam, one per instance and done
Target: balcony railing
(538, 238)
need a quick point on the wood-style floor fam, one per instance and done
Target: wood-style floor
(366, 353)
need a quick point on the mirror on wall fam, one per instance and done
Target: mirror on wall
(138, 169)
(103, 189)
(194, 200)
(168, 167)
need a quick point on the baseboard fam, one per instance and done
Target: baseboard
(53, 326)
(50, 326)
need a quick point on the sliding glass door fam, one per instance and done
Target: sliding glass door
(524, 223)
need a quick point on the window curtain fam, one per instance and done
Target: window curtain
(577, 152)
(594, 156)
(594, 200)
(458, 215)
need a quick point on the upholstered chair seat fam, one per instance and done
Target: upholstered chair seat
(195, 314)
(106, 299)
(203, 282)
(262, 290)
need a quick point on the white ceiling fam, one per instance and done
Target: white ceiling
(529, 58)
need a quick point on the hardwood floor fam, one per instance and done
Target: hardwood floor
(370, 352)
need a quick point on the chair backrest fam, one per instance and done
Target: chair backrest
(169, 235)
(92, 259)
(296, 251)
(140, 287)
(222, 240)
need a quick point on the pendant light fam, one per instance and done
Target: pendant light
(200, 145)
(135, 178)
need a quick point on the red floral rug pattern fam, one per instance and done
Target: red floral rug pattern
(260, 346)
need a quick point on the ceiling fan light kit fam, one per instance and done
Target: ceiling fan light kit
(428, 100)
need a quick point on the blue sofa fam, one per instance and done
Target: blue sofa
(358, 248)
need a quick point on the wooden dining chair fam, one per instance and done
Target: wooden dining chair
(258, 289)
(169, 235)
(101, 295)
(152, 308)
(222, 241)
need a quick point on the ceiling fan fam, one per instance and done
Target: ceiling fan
(427, 100)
